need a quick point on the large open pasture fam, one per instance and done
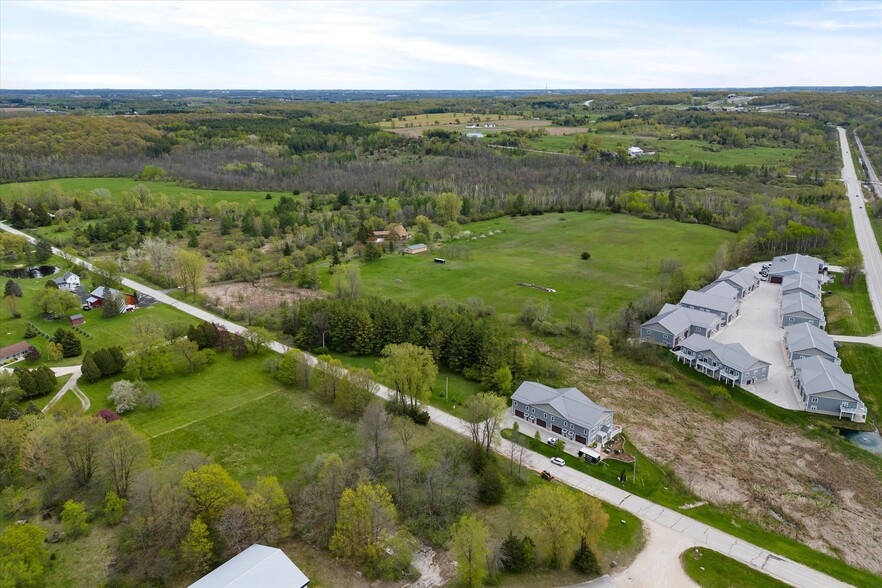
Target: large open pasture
(679, 151)
(545, 250)
(119, 185)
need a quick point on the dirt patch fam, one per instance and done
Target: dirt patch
(436, 569)
(753, 464)
(262, 295)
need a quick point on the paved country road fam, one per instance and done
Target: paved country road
(699, 533)
(863, 230)
(874, 179)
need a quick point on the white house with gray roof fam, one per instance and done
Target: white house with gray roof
(806, 340)
(725, 308)
(795, 263)
(257, 566)
(567, 412)
(68, 281)
(727, 362)
(825, 388)
(799, 308)
(808, 284)
(674, 323)
(743, 279)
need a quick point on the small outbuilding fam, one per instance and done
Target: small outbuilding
(77, 319)
(416, 248)
(14, 351)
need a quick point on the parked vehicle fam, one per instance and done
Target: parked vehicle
(552, 441)
(546, 475)
(558, 461)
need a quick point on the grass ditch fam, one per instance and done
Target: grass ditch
(710, 569)
(848, 309)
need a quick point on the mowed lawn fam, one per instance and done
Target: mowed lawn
(680, 151)
(545, 250)
(864, 363)
(238, 414)
(710, 569)
(105, 332)
(119, 185)
(848, 309)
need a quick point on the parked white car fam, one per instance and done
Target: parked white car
(552, 441)
(558, 461)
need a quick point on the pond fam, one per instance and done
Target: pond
(38, 271)
(869, 440)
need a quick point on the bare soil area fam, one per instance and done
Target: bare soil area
(796, 486)
(262, 295)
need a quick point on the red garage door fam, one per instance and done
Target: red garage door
(581, 439)
(556, 429)
(519, 414)
(541, 423)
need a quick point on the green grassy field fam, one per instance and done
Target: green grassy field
(864, 363)
(119, 185)
(544, 250)
(680, 151)
(848, 309)
(106, 332)
(710, 569)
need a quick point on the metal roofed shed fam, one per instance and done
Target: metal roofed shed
(258, 566)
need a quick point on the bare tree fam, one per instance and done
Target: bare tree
(373, 429)
(123, 450)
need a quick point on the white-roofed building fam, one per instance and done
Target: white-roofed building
(258, 566)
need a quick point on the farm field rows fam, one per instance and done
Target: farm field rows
(545, 250)
(119, 185)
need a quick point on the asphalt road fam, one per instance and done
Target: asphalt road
(697, 532)
(863, 230)
(874, 179)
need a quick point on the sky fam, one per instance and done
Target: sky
(438, 45)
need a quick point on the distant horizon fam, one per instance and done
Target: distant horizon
(116, 44)
(464, 90)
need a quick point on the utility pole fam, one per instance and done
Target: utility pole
(447, 388)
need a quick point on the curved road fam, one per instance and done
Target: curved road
(699, 533)
(863, 230)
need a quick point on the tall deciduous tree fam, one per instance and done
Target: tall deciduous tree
(411, 370)
(602, 352)
(197, 548)
(319, 500)
(80, 440)
(447, 207)
(22, 555)
(484, 414)
(558, 527)
(269, 511)
(212, 490)
(124, 449)
(366, 517)
(470, 549)
(190, 267)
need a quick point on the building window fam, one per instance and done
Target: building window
(544, 415)
(552, 419)
(533, 410)
(572, 426)
(814, 400)
(515, 402)
(665, 336)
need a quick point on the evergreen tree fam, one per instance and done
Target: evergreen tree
(586, 559)
(105, 362)
(91, 372)
(32, 409)
(12, 288)
(179, 220)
